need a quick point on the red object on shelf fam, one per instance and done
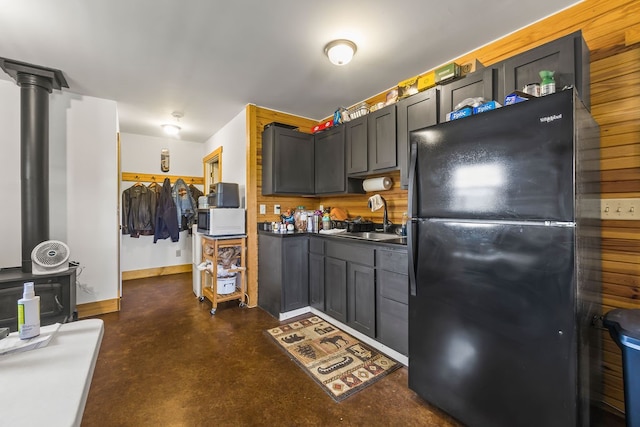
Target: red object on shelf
(322, 126)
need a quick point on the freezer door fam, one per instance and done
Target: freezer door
(514, 163)
(492, 337)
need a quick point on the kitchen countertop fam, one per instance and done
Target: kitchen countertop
(400, 241)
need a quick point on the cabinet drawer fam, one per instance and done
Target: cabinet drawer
(316, 246)
(395, 261)
(393, 286)
(361, 254)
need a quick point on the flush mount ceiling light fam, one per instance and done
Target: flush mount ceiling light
(340, 52)
(173, 128)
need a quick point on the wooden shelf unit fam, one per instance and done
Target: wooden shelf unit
(214, 244)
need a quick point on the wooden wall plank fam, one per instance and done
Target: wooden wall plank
(632, 36)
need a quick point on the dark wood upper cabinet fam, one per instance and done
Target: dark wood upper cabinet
(382, 139)
(413, 113)
(330, 175)
(371, 143)
(567, 56)
(287, 161)
(481, 83)
(357, 146)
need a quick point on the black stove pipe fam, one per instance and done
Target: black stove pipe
(36, 83)
(34, 162)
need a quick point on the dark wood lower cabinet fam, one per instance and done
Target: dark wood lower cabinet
(283, 273)
(361, 297)
(363, 285)
(335, 288)
(316, 281)
(392, 299)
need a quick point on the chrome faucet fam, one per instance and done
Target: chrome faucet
(385, 218)
(375, 204)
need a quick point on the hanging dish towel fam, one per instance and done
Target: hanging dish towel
(375, 202)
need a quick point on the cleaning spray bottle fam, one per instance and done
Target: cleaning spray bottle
(28, 313)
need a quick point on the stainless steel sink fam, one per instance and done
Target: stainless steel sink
(371, 235)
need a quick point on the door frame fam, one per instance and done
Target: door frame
(212, 165)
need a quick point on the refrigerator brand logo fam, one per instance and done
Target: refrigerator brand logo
(550, 119)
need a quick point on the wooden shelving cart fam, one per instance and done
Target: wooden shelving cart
(211, 247)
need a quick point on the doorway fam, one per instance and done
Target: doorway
(212, 165)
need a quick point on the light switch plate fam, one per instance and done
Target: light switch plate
(620, 209)
(263, 209)
(276, 209)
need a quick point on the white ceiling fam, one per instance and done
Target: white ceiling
(209, 58)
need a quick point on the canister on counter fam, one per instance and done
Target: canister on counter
(532, 89)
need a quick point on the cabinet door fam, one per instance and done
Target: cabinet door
(316, 281)
(381, 134)
(482, 83)
(287, 162)
(568, 56)
(393, 325)
(295, 267)
(330, 175)
(270, 274)
(356, 144)
(361, 297)
(413, 113)
(335, 288)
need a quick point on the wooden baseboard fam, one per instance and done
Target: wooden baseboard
(154, 272)
(98, 307)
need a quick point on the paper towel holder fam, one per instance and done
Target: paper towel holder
(381, 183)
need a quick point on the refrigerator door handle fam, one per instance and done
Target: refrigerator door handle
(412, 226)
(412, 190)
(411, 229)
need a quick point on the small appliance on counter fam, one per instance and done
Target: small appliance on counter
(223, 215)
(225, 195)
(221, 221)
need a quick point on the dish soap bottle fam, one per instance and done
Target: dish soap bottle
(404, 224)
(548, 84)
(28, 313)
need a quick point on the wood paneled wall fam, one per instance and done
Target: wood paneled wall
(257, 119)
(612, 32)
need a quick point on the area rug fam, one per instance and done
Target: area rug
(341, 364)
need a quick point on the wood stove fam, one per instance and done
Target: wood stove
(57, 296)
(57, 291)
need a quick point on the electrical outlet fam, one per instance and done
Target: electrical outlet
(620, 209)
(276, 209)
(263, 209)
(178, 252)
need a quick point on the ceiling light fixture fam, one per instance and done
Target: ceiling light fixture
(340, 51)
(173, 128)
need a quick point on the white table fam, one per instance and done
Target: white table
(49, 386)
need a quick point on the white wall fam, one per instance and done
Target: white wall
(82, 185)
(91, 180)
(10, 235)
(233, 140)
(141, 154)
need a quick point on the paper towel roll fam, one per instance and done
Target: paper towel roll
(377, 184)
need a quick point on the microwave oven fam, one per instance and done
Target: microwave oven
(221, 221)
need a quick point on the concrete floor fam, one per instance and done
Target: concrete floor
(165, 361)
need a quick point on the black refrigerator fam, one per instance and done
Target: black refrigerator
(505, 264)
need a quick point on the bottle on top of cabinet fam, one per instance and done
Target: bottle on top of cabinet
(548, 83)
